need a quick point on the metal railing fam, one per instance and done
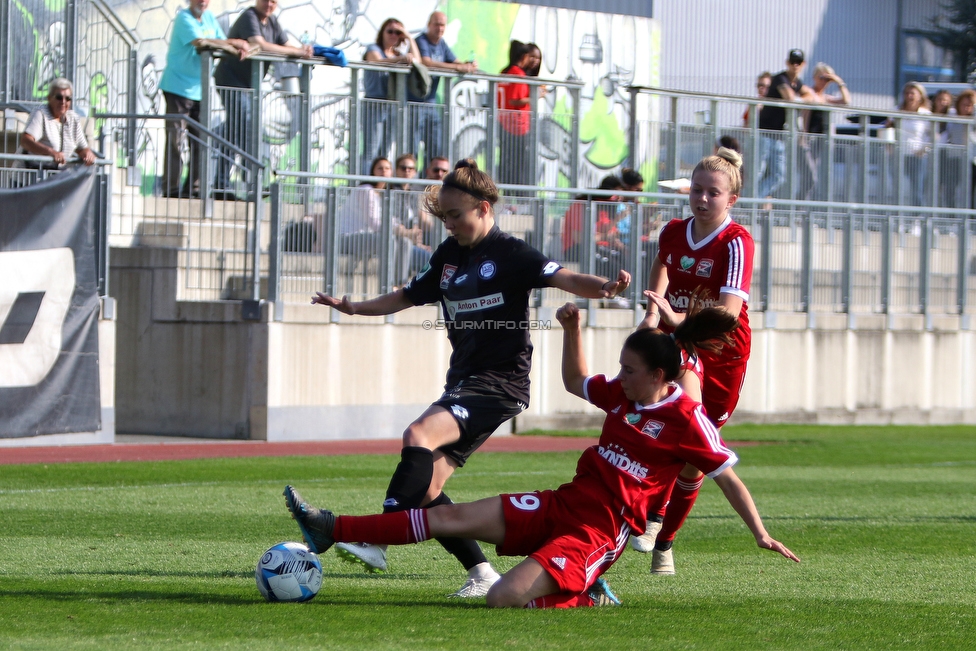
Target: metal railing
(810, 256)
(39, 170)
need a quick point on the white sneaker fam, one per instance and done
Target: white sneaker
(644, 543)
(373, 557)
(662, 562)
(480, 580)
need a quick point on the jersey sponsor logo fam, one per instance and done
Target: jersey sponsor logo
(487, 270)
(35, 296)
(446, 274)
(620, 459)
(551, 268)
(460, 279)
(633, 419)
(474, 304)
(559, 562)
(653, 428)
(459, 412)
(525, 502)
(686, 263)
(682, 302)
(704, 268)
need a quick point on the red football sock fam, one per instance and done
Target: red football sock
(561, 600)
(398, 528)
(683, 497)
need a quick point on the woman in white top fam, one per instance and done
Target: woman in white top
(915, 140)
(55, 130)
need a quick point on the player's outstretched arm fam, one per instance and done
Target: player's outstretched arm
(738, 496)
(379, 306)
(574, 362)
(589, 286)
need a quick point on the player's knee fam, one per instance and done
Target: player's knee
(414, 436)
(501, 595)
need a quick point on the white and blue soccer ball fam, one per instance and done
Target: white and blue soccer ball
(289, 571)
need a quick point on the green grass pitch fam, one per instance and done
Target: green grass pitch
(161, 555)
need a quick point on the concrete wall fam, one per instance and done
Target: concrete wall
(199, 369)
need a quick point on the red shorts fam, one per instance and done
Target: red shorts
(548, 527)
(722, 386)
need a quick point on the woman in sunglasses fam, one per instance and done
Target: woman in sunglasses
(55, 130)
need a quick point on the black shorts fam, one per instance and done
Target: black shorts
(479, 406)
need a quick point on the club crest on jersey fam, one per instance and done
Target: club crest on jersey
(686, 262)
(652, 428)
(446, 274)
(704, 268)
(487, 270)
(559, 562)
(633, 419)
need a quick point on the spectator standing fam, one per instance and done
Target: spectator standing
(816, 124)
(915, 140)
(960, 135)
(762, 87)
(942, 105)
(393, 45)
(437, 168)
(182, 90)
(258, 27)
(772, 148)
(427, 122)
(515, 118)
(55, 129)
(411, 252)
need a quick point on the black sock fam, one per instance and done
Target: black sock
(410, 480)
(467, 551)
(663, 545)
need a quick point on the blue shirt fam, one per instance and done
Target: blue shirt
(376, 84)
(182, 74)
(440, 53)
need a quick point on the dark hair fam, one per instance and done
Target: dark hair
(516, 51)
(536, 69)
(403, 157)
(730, 142)
(376, 160)
(386, 23)
(609, 182)
(466, 178)
(705, 328)
(631, 177)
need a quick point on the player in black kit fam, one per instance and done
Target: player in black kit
(482, 278)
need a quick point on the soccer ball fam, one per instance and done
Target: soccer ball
(289, 571)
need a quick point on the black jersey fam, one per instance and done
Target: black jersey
(484, 293)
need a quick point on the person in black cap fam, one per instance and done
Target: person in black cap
(772, 150)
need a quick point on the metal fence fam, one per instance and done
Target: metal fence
(810, 256)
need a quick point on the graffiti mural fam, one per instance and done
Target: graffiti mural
(577, 46)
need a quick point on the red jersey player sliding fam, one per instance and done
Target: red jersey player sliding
(573, 534)
(711, 254)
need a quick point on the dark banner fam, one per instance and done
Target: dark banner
(49, 308)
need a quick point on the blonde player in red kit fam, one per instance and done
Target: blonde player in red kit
(711, 254)
(573, 534)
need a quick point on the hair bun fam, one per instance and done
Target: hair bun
(730, 155)
(468, 163)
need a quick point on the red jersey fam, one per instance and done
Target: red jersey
(720, 263)
(642, 449)
(514, 119)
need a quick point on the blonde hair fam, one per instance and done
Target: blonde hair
(727, 161)
(921, 91)
(822, 68)
(466, 178)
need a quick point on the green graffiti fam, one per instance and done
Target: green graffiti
(98, 98)
(55, 5)
(484, 25)
(600, 127)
